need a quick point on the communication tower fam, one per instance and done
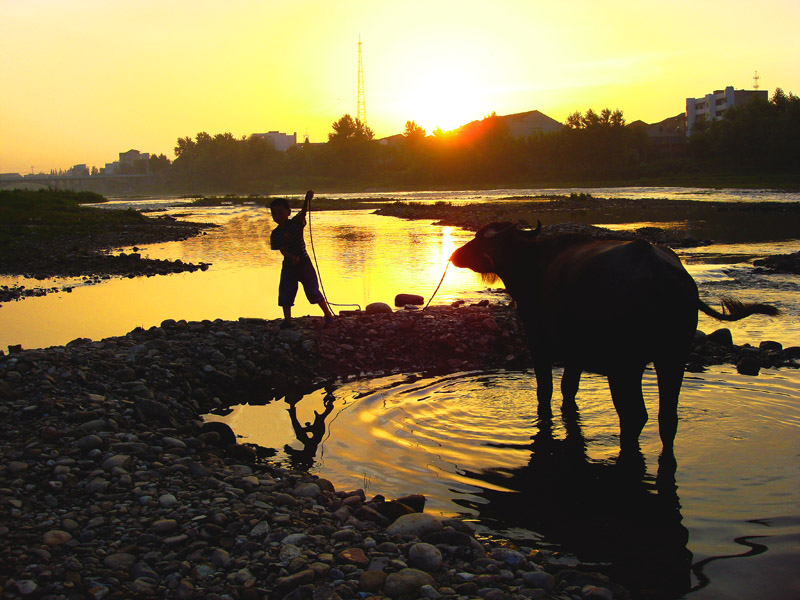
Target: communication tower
(755, 78)
(361, 113)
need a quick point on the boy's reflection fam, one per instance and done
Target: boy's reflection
(310, 434)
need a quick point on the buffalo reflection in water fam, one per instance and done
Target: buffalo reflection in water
(610, 512)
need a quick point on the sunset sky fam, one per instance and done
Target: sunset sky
(83, 80)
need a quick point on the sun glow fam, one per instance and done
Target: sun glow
(446, 98)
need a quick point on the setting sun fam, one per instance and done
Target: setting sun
(444, 97)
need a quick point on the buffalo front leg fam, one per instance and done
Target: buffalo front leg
(544, 385)
(626, 392)
(670, 379)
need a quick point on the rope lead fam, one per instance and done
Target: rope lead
(440, 283)
(322, 285)
(316, 264)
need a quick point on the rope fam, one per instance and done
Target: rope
(440, 284)
(319, 273)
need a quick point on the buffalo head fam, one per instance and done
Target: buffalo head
(492, 245)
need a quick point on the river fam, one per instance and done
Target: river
(724, 524)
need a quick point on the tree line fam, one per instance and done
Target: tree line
(759, 136)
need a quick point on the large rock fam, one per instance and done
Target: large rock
(722, 337)
(406, 583)
(425, 556)
(378, 307)
(403, 299)
(415, 524)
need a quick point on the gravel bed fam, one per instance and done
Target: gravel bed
(112, 486)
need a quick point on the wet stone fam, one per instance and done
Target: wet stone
(353, 556)
(406, 582)
(372, 581)
(56, 537)
(425, 556)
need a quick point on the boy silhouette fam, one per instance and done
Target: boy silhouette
(287, 237)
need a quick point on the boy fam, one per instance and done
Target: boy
(297, 268)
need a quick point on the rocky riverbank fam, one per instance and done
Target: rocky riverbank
(63, 251)
(111, 485)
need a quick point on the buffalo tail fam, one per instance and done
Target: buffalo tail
(733, 310)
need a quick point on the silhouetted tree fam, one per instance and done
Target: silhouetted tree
(413, 132)
(350, 152)
(348, 129)
(158, 164)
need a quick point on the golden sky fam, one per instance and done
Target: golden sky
(83, 80)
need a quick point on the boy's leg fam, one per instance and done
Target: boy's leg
(287, 291)
(308, 277)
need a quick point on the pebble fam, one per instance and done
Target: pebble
(415, 524)
(425, 556)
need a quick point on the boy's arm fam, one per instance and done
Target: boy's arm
(307, 202)
(277, 242)
(292, 258)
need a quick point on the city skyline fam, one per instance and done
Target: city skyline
(85, 79)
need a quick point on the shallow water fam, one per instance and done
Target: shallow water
(362, 258)
(474, 445)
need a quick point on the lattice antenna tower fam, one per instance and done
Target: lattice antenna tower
(755, 79)
(361, 113)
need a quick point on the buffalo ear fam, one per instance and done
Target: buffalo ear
(531, 232)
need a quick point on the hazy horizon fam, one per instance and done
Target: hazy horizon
(87, 79)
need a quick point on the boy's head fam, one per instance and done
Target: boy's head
(280, 210)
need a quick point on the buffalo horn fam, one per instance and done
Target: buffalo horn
(493, 232)
(531, 232)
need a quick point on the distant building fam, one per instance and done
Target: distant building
(10, 176)
(525, 124)
(392, 140)
(667, 138)
(133, 161)
(668, 128)
(280, 141)
(78, 171)
(713, 106)
(111, 168)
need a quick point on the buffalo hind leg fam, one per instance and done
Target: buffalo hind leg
(570, 380)
(626, 392)
(670, 377)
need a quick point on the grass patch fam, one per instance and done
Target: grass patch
(23, 212)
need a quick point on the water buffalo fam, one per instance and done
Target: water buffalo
(604, 306)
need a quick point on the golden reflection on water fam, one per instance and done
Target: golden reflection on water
(361, 258)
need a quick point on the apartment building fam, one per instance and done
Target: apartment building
(713, 106)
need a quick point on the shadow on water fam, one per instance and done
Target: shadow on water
(608, 512)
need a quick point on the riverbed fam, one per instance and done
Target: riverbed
(472, 441)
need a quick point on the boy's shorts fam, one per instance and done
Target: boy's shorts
(303, 272)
